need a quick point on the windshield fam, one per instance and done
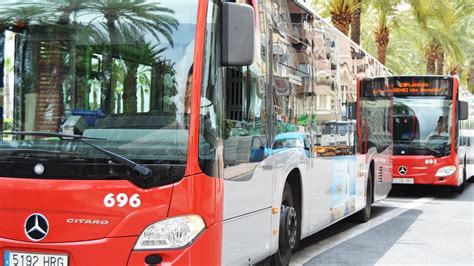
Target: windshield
(288, 143)
(342, 129)
(329, 129)
(115, 70)
(422, 125)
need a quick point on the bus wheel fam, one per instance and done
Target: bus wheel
(288, 235)
(363, 215)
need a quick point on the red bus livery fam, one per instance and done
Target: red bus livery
(182, 132)
(427, 111)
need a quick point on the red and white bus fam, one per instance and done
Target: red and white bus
(180, 132)
(427, 122)
(466, 135)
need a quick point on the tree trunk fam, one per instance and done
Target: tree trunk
(105, 103)
(440, 63)
(341, 22)
(64, 19)
(382, 37)
(470, 81)
(107, 91)
(381, 53)
(355, 26)
(119, 102)
(142, 99)
(430, 67)
(130, 89)
(431, 56)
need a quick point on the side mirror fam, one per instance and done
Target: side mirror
(463, 110)
(237, 34)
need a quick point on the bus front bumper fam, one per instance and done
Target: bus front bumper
(205, 250)
(427, 179)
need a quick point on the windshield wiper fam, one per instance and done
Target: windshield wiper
(436, 152)
(143, 170)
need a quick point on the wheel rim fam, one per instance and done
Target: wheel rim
(291, 227)
(288, 229)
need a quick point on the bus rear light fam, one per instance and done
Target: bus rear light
(175, 232)
(446, 171)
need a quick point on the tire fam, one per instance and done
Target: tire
(470, 179)
(289, 229)
(363, 215)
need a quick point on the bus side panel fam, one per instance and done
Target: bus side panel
(337, 189)
(375, 133)
(320, 175)
(382, 174)
(246, 239)
(247, 225)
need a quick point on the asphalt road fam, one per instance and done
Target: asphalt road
(418, 225)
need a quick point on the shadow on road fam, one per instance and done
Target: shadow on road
(441, 192)
(339, 227)
(367, 248)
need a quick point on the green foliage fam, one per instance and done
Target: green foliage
(414, 24)
(342, 6)
(7, 124)
(228, 125)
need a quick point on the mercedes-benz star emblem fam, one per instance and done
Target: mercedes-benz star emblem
(402, 170)
(39, 169)
(36, 227)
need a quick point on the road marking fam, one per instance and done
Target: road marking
(305, 255)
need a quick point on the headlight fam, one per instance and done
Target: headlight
(446, 171)
(175, 232)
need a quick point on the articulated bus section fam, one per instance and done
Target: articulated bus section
(297, 157)
(466, 135)
(430, 146)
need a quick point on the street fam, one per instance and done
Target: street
(414, 225)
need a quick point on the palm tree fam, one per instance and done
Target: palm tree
(341, 13)
(432, 52)
(462, 25)
(143, 79)
(22, 15)
(444, 22)
(440, 62)
(355, 25)
(405, 52)
(387, 12)
(68, 7)
(136, 16)
(438, 36)
(113, 22)
(150, 54)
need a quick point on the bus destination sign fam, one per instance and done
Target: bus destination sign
(377, 87)
(421, 86)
